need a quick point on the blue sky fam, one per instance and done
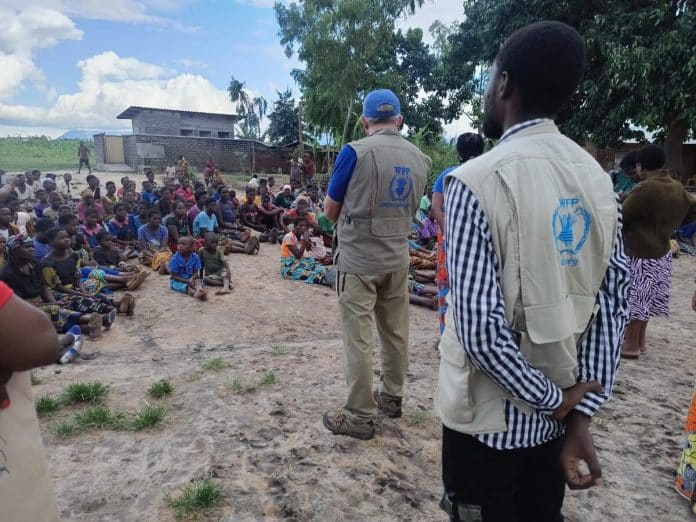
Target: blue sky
(77, 63)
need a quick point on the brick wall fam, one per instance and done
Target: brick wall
(171, 123)
(231, 155)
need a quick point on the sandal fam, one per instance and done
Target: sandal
(137, 280)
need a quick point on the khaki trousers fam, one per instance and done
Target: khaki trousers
(364, 300)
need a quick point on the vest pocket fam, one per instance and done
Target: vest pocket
(390, 227)
(452, 397)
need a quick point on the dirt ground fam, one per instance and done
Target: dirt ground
(268, 447)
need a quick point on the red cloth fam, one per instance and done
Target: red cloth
(5, 294)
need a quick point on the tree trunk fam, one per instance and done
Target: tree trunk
(675, 135)
(346, 125)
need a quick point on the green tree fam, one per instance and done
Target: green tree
(251, 110)
(284, 119)
(350, 47)
(641, 64)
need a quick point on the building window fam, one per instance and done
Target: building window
(186, 132)
(225, 135)
(205, 134)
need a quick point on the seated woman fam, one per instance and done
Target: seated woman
(270, 215)
(296, 261)
(124, 233)
(23, 274)
(60, 272)
(154, 251)
(249, 214)
(228, 220)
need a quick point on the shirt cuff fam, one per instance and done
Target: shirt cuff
(552, 400)
(590, 403)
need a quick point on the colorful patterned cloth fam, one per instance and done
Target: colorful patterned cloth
(648, 295)
(441, 280)
(686, 472)
(305, 269)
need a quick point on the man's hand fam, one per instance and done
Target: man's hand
(572, 397)
(4, 397)
(577, 448)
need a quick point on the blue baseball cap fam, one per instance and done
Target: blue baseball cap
(382, 104)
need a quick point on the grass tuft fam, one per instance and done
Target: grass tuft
(64, 429)
(160, 389)
(148, 417)
(279, 351)
(418, 418)
(100, 417)
(197, 500)
(93, 392)
(35, 379)
(46, 404)
(214, 365)
(237, 386)
(267, 379)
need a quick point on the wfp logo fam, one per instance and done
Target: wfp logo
(401, 185)
(571, 226)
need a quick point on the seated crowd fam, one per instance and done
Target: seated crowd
(79, 255)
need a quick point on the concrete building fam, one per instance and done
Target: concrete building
(160, 136)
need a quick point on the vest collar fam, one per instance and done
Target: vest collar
(537, 125)
(392, 132)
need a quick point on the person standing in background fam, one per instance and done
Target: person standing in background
(83, 155)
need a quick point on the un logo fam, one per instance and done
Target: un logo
(401, 185)
(571, 226)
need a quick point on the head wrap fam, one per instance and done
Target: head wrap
(18, 241)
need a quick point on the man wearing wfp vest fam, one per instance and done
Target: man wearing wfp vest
(374, 192)
(537, 309)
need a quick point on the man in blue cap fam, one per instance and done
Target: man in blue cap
(374, 192)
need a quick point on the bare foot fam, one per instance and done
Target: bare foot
(201, 294)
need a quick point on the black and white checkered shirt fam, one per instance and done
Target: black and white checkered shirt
(479, 316)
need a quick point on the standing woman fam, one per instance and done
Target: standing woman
(469, 145)
(651, 213)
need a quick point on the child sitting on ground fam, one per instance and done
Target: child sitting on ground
(107, 255)
(215, 268)
(109, 200)
(91, 227)
(154, 251)
(296, 261)
(184, 268)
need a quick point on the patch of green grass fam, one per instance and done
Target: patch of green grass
(35, 379)
(418, 418)
(279, 351)
(148, 417)
(267, 379)
(160, 389)
(237, 386)
(40, 153)
(197, 500)
(100, 417)
(46, 404)
(64, 429)
(215, 365)
(93, 392)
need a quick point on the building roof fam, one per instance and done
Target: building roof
(131, 111)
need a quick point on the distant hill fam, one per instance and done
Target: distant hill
(81, 134)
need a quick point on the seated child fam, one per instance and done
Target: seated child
(55, 200)
(108, 256)
(125, 236)
(184, 268)
(427, 232)
(109, 200)
(270, 215)
(216, 270)
(91, 227)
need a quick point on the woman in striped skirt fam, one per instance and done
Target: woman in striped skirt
(651, 213)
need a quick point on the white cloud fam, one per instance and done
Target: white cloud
(108, 85)
(191, 64)
(446, 11)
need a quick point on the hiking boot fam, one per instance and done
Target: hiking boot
(339, 424)
(389, 406)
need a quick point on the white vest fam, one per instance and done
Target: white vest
(553, 218)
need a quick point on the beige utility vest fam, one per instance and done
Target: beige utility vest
(382, 196)
(553, 219)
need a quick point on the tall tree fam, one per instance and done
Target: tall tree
(641, 64)
(350, 47)
(250, 109)
(284, 118)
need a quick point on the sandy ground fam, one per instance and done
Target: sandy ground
(268, 447)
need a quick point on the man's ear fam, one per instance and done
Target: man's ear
(505, 86)
(363, 122)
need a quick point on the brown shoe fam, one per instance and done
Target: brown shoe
(339, 424)
(389, 406)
